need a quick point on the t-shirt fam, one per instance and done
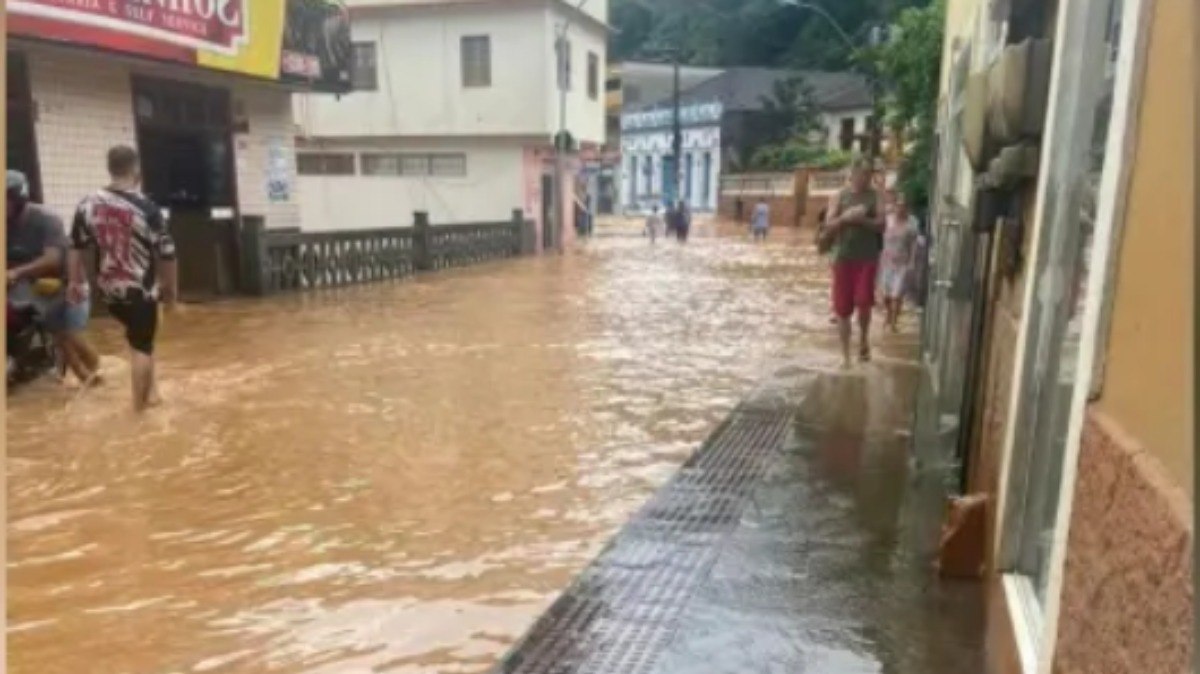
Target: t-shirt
(762, 217)
(35, 230)
(898, 240)
(855, 242)
(130, 232)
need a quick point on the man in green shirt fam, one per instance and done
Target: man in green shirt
(855, 227)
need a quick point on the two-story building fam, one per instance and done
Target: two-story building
(454, 112)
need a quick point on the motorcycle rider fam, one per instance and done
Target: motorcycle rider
(36, 273)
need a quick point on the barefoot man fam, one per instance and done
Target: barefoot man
(135, 248)
(856, 223)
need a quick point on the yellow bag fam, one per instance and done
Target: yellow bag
(47, 287)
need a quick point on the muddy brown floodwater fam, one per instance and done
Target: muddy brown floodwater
(391, 478)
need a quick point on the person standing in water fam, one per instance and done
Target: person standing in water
(760, 221)
(654, 222)
(899, 239)
(854, 232)
(684, 224)
(135, 248)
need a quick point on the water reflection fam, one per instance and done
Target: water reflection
(390, 478)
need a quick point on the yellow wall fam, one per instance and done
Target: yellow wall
(1148, 387)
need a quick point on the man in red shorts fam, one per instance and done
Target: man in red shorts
(856, 222)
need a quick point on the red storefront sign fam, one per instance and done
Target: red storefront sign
(218, 26)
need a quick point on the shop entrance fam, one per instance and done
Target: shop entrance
(184, 134)
(21, 149)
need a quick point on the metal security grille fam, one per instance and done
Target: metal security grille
(621, 612)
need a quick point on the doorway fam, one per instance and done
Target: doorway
(548, 217)
(21, 149)
(184, 134)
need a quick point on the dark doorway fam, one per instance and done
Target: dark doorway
(184, 134)
(21, 150)
(547, 212)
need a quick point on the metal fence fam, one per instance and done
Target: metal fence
(292, 260)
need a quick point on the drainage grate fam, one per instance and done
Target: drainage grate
(621, 612)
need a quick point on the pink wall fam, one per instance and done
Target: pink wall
(539, 161)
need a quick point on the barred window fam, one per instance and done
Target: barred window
(325, 163)
(381, 164)
(448, 164)
(365, 75)
(414, 165)
(476, 61)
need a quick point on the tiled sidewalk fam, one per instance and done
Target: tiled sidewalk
(794, 541)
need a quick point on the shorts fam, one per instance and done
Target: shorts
(893, 279)
(854, 287)
(55, 312)
(140, 318)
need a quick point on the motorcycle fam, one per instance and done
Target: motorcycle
(29, 347)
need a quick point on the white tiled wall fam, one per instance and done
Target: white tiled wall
(269, 113)
(84, 105)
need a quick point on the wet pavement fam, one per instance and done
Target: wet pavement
(402, 478)
(389, 478)
(795, 541)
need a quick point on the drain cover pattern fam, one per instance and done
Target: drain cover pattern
(621, 612)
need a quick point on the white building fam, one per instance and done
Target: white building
(455, 107)
(646, 151)
(724, 121)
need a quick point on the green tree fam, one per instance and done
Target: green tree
(910, 66)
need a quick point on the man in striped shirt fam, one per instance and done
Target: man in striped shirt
(135, 249)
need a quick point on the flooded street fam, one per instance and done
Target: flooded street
(387, 478)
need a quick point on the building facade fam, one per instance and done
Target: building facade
(647, 154)
(1059, 338)
(211, 119)
(725, 121)
(454, 113)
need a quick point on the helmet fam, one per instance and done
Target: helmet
(16, 192)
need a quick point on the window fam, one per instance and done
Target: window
(448, 165)
(706, 179)
(365, 75)
(414, 165)
(476, 61)
(381, 165)
(564, 64)
(846, 138)
(325, 163)
(1079, 122)
(593, 76)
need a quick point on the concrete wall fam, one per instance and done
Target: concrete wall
(420, 92)
(1148, 385)
(1127, 586)
(85, 106)
(492, 187)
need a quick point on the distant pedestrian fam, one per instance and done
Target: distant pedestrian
(760, 222)
(654, 223)
(899, 247)
(854, 233)
(684, 222)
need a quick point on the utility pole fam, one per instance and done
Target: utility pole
(677, 132)
(561, 53)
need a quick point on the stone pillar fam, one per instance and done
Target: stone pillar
(421, 259)
(254, 274)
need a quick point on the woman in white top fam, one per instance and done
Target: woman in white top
(899, 239)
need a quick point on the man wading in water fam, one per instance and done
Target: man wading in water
(855, 232)
(131, 234)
